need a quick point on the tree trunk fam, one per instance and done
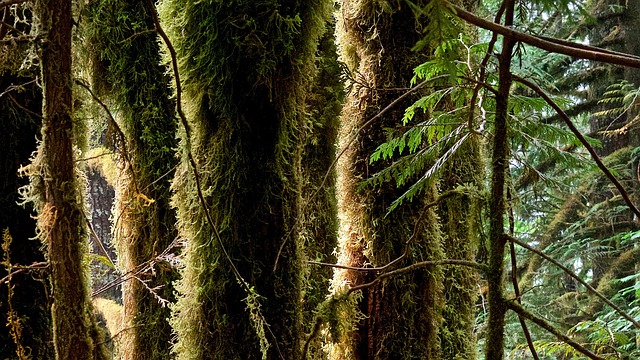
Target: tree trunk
(60, 217)
(145, 229)
(402, 315)
(248, 70)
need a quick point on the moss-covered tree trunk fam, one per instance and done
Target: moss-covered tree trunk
(403, 313)
(247, 69)
(319, 214)
(60, 207)
(461, 226)
(137, 83)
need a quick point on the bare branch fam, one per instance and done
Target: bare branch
(22, 268)
(584, 142)
(114, 123)
(419, 265)
(518, 309)
(577, 278)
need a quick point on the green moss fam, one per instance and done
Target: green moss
(460, 216)
(247, 69)
(403, 313)
(130, 61)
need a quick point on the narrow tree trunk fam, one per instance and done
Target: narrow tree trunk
(60, 215)
(497, 202)
(145, 228)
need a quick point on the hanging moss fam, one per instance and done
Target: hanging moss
(127, 49)
(30, 301)
(247, 68)
(403, 313)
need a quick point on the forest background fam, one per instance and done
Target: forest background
(282, 179)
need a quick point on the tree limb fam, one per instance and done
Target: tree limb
(518, 309)
(559, 46)
(577, 278)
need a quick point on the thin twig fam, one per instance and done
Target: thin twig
(584, 142)
(353, 138)
(114, 123)
(21, 107)
(483, 68)
(35, 266)
(95, 156)
(405, 251)
(98, 240)
(419, 265)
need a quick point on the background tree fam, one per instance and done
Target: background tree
(401, 316)
(123, 41)
(56, 194)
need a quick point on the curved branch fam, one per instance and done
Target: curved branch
(577, 278)
(518, 309)
(584, 142)
(557, 46)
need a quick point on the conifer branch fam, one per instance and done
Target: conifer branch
(577, 278)
(556, 46)
(584, 142)
(518, 309)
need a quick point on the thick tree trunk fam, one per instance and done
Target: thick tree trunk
(402, 315)
(248, 70)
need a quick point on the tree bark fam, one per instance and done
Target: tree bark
(60, 215)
